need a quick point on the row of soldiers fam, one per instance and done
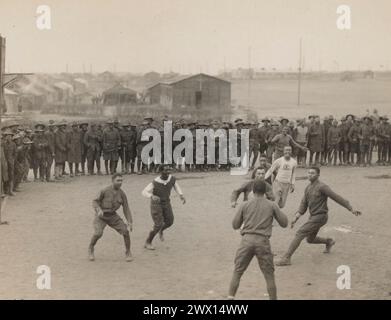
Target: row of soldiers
(350, 141)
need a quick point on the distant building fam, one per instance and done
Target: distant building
(83, 98)
(199, 91)
(64, 92)
(119, 95)
(11, 101)
(80, 85)
(152, 76)
(107, 76)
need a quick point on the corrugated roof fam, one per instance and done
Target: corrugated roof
(119, 89)
(185, 77)
(8, 91)
(63, 85)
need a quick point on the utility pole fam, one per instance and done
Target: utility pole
(2, 67)
(299, 77)
(249, 77)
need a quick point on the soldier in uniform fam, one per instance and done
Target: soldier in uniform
(83, 131)
(354, 141)
(127, 143)
(106, 204)
(300, 135)
(382, 138)
(60, 149)
(92, 144)
(254, 144)
(133, 148)
(333, 141)
(327, 123)
(274, 130)
(75, 149)
(366, 135)
(9, 155)
(282, 140)
(50, 150)
(20, 160)
(111, 144)
(29, 135)
(388, 142)
(262, 134)
(140, 145)
(315, 140)
(27, 142)
(284, 123)
(373, 140)
(4, 167)
(341, 151)
(40, 145)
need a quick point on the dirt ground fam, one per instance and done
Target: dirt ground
(278, 97)
(51, 224)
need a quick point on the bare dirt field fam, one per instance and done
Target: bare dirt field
(51, 224)
(278, 97)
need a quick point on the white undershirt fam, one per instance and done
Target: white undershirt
(285, 170)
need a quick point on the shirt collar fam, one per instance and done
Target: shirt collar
(160, 180)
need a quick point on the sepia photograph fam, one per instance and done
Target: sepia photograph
(198, 150)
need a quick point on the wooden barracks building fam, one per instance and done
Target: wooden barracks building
(199, 91)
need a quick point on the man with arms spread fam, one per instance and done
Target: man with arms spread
(315, 200)
(283, 140)
(255, 219)
(285, 178)
(105, 205)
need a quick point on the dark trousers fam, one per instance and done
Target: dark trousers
(49, 163)
(258, 246)
(310, 231)
(162, 217)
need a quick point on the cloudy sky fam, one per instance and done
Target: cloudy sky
(189, 36)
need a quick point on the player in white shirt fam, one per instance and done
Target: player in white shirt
(285, 178)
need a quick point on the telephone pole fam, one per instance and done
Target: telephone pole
(299, 75)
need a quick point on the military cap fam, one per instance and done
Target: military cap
(367, 117)
(39, 125)
(16, 136)
(7, 132)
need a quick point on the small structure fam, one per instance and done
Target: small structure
(64, 91)
(199, 91)
(83, 98)
(119, 95)
(11, 101)
(152, 76)
(80, 85)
